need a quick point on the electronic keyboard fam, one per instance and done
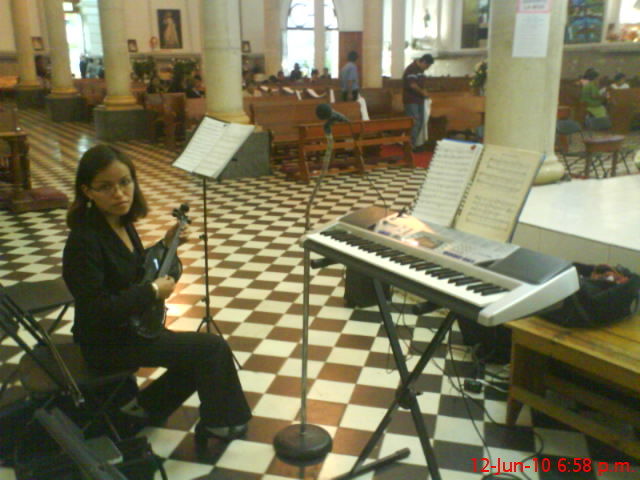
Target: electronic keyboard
(476, 278)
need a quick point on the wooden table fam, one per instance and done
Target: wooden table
(21, 197)
(546, 357)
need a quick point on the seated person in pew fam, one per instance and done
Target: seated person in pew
(619, 82)
(590, 94)
(103, 264)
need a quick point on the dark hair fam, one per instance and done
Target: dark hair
(94, 161)
(590, 74)
(352, 56)
(619, 76)
(427, 58)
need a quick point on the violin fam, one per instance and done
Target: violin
(159, 262)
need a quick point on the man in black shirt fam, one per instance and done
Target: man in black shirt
(414, 95)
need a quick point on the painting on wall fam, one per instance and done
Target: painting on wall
(584, 21)
(170, 29)
(36, 43)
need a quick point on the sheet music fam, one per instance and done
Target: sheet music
(448, 177)
(498, 192)
(212, 146)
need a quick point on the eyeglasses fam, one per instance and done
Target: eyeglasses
(110, 188)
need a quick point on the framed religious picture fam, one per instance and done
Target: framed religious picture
(169, 28)
(246, 46)
(36, 43)
(132, 45)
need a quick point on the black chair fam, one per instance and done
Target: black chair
(50, 372)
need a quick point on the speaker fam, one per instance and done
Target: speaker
(359, 290)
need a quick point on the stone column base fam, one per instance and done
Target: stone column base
(112, 125)
(232, 117)
(30, 97)
(67, 109)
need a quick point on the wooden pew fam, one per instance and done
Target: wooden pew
(623, 106)
(168, 114)
(195, 110)
(248, 102)
(379, 102)
(463, 111)
(282, 121)
(352, 140)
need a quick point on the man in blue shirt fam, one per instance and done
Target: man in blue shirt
(349, 78)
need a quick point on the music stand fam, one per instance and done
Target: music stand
(208, 153)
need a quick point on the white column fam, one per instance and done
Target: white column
(522, 93)
(61, 79)
(117, 68)
(398, 22)
(319, 39)
(223, 60)
(372, 44)
(272, 37)
(24, 49)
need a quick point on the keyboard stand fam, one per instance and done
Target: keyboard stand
(405, 396)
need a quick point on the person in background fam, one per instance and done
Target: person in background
(195, 87)
(619, 82)
(590, 94)
(326, 75)
(349, 81)
(315, 75)
(103, 267)
(280, 77)
(296, 73)
(414, 94)
(83, 66)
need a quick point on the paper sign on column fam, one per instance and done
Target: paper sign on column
(212, 146)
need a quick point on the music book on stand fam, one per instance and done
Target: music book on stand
(477, 189)
(212, 147)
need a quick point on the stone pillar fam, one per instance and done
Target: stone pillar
(222, 60)
(398, 23)
(372, 45)
(119, 117)
(272, 37)
(63, 103)
(522, 93)
(319, 39)
(30, 92)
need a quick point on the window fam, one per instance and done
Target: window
(299, 38)
(475, 23)
(629, 22)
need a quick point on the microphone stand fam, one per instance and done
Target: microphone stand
(305, 444)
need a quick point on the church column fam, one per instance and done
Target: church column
(398, 22)
(372, 45)
(522, 92)
(222, 60)
(30, 92)
(119, 117)
(272, 37)
(63, 103)
(319, 34)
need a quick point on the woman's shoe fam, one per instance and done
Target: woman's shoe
(226, 434)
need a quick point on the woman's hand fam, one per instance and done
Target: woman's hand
(165, 286)
(184, 234)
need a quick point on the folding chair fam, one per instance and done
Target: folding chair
(50, 371)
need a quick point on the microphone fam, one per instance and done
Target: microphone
(325, 112)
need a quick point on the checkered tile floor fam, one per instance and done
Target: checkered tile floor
(255, 268)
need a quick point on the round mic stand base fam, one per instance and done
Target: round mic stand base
(302, 445)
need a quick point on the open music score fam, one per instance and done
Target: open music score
(477, 189)
(212, 146)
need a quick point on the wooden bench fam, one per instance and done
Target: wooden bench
(168, 115)
(249, 102)
(282, 121)
(547, 358)
(379, 102)
(623, 106)
(353, 140)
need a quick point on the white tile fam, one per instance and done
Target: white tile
(273, 306)
(257, 382)
(238, 452)
(163, 440)
(336, 464)
(252, 330)
(348, 356)
(458, 430)
(361, 417)
(323, 338)
(563, 443)
(276, 348)
(392, 442)
(330, 391)
(179, 470)
(293, 368)
(379, 377)
(277, 406)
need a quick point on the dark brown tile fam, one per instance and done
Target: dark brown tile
(372, 396)
(225, 292)
(355, 341)
(327, 324)
(286, 334)
(243, 303)
(263, 363)
(339, 372)
(243, 344)
(263, 285)
(380, 360)
(288, 297)
(288, 386)
(315, 352)
(266, 318)
(348, 441)
(324, 413)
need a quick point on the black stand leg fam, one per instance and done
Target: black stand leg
(405, 396)
(207, 320)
